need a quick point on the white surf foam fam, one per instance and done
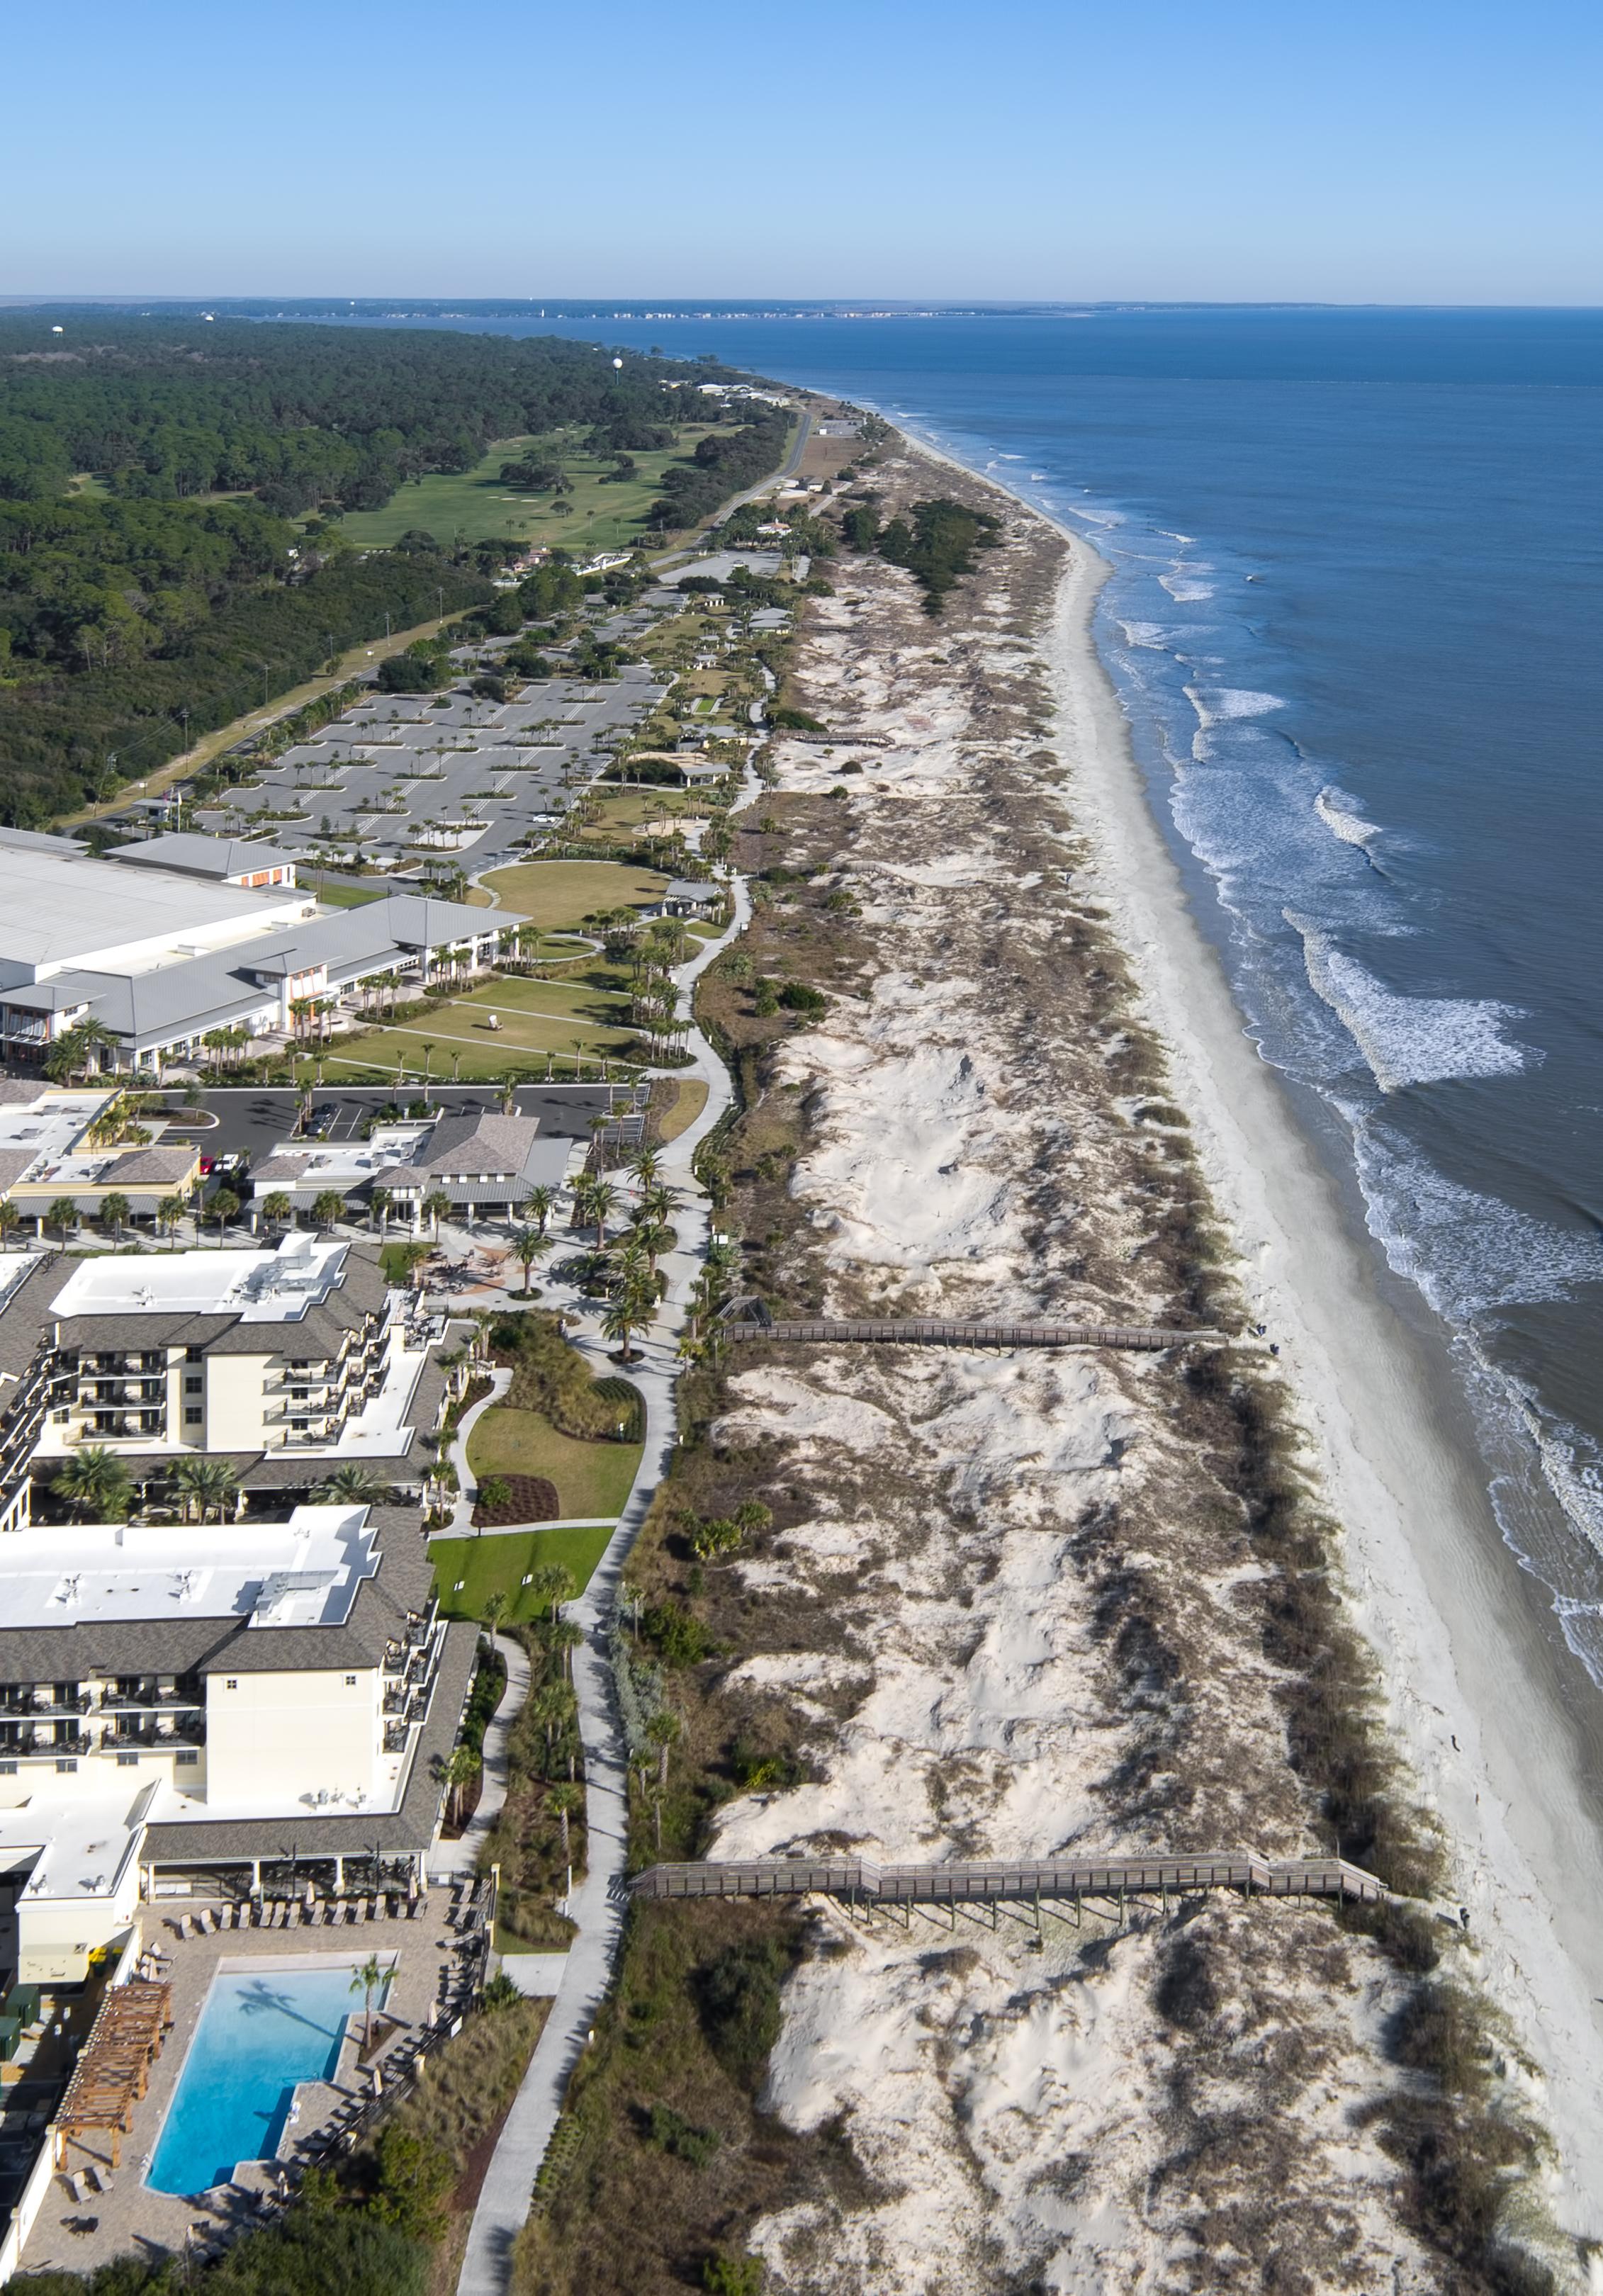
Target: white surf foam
(1220, 705)
(1411, 1039)
(1341, 816)
(1183, 588)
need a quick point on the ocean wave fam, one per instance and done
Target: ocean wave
(1152, 636)
(1184, 589)
(1470, 1254)
(1341, 816)
(1220, 705)
(1411, 1039)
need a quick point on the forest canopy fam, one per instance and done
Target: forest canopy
(169, 492)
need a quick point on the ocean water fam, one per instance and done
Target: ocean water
(1356, 622)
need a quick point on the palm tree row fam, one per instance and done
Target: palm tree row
(97, 1485)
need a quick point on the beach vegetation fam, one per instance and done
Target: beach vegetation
(936, 541)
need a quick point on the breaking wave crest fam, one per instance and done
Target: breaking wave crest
(1411, 1039)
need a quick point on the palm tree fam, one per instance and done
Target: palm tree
(169, 1212)
(204, 1484)
(625, 1315)
(436, 1203)
(11, 1219)
(460, 1772)
(328, 1208)
(551, 1707)
(540, 1204)
(279, 1208)
(552, 1586)
(652, 1236)
(379, 1202)
(528, 1246)
(223, 1207)
(62, 1216)
(562, 1634)
(603, 1201)
(563, 1800)
(355, 1486)
(115, 1212)
(495, 1610)
(368, 1981)
(428, 1054)
(646, 1162)
(662, 1729)
(95, 1482)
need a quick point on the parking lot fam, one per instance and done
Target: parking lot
(250, 1121)
(404, 777)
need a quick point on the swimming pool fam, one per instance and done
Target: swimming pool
(260, 2031)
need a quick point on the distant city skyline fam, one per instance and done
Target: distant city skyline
(1040, 152)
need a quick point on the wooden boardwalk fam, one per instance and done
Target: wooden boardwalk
(858, 1883)
(916, 1333)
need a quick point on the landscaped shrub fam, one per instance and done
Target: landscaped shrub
(506, 1499)
(554, 1379)
(676, 1635)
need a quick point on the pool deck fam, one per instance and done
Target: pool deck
(66, 2237)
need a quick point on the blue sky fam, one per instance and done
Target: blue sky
(1415, 152)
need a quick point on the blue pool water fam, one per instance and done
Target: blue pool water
(259, 2033)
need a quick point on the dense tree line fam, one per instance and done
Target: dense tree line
(169, 407)
(64, 738)
(152, 584)
(936, 544)
(723, 464)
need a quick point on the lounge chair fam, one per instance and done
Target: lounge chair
(207, 1920)
(78, 2184)
(315, 1913)
(336, 1913)
(101, 2179)
(293, 1917)
(184, 1927)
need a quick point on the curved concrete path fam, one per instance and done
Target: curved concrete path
(459, 1857)
(508, 2190)
(467, 1490)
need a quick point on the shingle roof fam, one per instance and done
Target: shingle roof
(408, 1829)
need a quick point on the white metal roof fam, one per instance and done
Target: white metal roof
(59, 910)
(300, 1573)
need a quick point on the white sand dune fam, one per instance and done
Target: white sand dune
(1011, 2098)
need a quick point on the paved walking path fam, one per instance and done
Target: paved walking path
(594, 1906)
(467, 1490)
(461, 1857)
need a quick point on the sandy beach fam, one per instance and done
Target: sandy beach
(992, 1120)
(1019, 1604)
(1476, 1690)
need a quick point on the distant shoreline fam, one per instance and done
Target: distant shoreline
(1438, 1594)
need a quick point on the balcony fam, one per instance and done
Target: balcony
(151, 1701)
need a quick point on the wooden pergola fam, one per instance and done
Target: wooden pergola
(112, 2071)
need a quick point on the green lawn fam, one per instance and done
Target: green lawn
(468, 505)
(591, 1478)
(558, 893)
(500, 1562)
(350, 897)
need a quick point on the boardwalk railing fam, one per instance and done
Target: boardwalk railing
(914, 1333)
(859, 1883)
